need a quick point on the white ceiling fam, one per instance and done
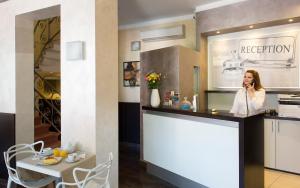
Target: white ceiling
(137, 11)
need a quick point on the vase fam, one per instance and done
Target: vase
(155, 100)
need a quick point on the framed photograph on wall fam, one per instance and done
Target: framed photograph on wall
(131, 74)
(135, 45)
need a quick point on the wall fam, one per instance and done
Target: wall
(127, 94)
(78, 77)
(24, 80)
(224, 101)
(240, 16)
(107, 84)
(132, 94)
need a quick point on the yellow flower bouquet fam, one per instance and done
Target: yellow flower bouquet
(153, 80)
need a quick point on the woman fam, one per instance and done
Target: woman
(251, 98)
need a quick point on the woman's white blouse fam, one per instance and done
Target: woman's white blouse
(255, 105)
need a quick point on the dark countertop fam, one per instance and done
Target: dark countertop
(267, 116)
(268, 91)
(222, 115)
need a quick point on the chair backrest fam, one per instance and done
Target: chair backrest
(16, 150)
(99, 174)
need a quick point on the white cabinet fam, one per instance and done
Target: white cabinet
(282, 145)
(288, 146)
(269, 142)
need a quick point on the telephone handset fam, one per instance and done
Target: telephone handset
(252, 83)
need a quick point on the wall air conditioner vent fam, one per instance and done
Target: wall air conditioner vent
(177, 32)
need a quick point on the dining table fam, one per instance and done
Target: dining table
(62, 170)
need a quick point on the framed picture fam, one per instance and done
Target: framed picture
(131, 74)
(135, 45)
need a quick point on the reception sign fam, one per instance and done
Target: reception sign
(274, 56)
(268, 49)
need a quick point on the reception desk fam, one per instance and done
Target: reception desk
(201, 149)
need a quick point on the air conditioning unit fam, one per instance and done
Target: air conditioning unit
(168, 33)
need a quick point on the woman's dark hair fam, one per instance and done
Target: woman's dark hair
(256, 79)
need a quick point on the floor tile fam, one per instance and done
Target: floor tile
(270, 177)
(287, 181)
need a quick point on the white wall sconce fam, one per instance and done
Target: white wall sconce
(75, 50)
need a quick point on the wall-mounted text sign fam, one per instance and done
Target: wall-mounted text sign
(274, 56)
(268, 49)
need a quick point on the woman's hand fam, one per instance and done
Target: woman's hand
(251, 90)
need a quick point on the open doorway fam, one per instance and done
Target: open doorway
(38, 77)
(47, 113)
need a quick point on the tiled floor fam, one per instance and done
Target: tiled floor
(275, 179)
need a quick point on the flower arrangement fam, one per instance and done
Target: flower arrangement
(153, 79)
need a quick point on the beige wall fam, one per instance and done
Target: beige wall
(127, 94)
(78, 100)
(24, 80)
(132, 94)
(107, 84)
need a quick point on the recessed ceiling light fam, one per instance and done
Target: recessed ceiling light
(218, 32)
(291, 20)
(251, 26)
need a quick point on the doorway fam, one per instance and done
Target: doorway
(47, 97)
(37, 80)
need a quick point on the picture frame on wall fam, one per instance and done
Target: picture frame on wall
(131, 74)
(135, 45)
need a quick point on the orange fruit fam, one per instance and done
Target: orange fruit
(56, 152)
(63, 153)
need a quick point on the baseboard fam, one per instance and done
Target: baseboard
(283, 171)
(172, 178)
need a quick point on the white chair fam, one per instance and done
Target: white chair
(14, 176)
(97, 176)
